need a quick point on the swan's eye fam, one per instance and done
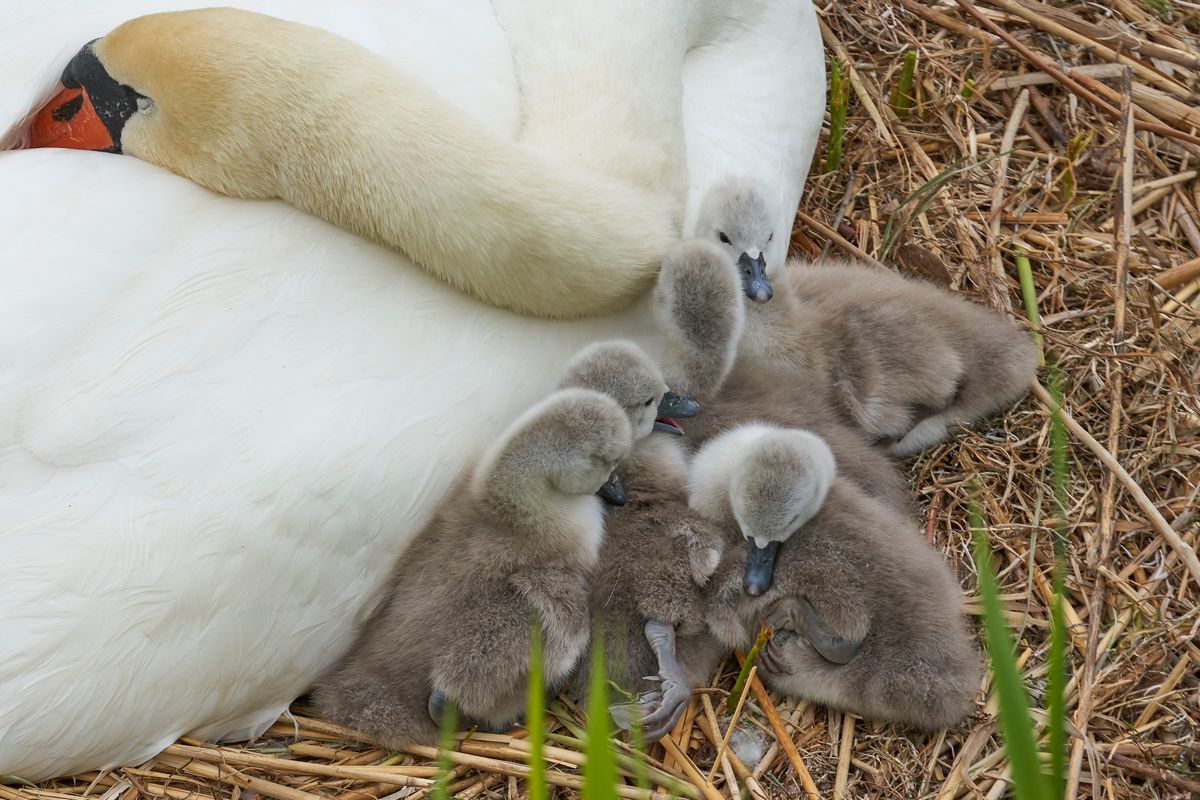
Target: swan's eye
(770, 238)
(649, 402)
(144, 103)
(724, 239)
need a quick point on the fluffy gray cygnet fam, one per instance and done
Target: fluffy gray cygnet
(512, 545)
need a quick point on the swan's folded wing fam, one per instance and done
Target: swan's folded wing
(219, 420)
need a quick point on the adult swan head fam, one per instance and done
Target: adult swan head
(220, 419)
(258, 107)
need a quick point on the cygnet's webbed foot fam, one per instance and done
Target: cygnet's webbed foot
(771, 658)
(634, 712)
(797, 614)
(656, 711)
(437, 709)
(925, 434)
(660, 709)
(613, 490)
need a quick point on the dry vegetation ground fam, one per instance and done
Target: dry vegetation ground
(1117, 274)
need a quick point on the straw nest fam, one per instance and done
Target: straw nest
(1050, 146)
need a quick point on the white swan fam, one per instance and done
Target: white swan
(219, 419)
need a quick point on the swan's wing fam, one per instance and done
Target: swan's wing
(219, 422)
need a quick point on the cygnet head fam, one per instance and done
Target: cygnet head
(575, 437)
(624, 372)
(771, 480)
(737, 214)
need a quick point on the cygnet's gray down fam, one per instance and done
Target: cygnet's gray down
(512, 545)
(905, 360)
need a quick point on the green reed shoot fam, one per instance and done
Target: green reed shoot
(839, 101)
(903, 94)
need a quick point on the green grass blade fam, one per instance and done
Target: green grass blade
(1056, 687)
(1029, 295)
(1058, 454)
(441, 784)
(839, 99)
(902, 93)
(1016, 723)
(735, 693)
(535, 718)
(600, 770)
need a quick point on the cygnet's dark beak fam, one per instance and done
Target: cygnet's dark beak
(672, 407)
(760, 567)
(613, 490)
(90, 110)
(754, 277)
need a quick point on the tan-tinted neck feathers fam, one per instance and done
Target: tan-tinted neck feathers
(253, 106)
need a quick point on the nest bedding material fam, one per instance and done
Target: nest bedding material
(1015, 145)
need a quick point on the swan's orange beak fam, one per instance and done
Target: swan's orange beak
(70, 120)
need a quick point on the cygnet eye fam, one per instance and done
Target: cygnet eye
(724, 239)
(144, 103)
(770, 238)
(649, 402)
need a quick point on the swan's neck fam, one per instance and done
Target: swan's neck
(345, 136)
